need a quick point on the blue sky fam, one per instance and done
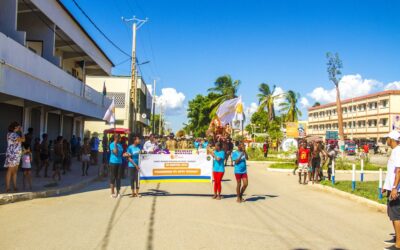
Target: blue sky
(191, 43)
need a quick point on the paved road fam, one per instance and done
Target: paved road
(279, 214)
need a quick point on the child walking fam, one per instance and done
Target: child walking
(218, 169)
(239, 157)
(27, 166)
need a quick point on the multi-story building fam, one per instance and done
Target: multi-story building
(45, 55)
(365, 117)
(118, 87)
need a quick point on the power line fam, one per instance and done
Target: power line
(98, 29)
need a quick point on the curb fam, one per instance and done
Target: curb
(280, 170)
(372, 204)
(11, 198)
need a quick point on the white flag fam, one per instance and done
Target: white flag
(109, 116)
(227, 110)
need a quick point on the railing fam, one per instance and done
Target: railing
(19, 58)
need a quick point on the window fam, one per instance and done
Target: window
(361, 124)
(119, 99)
(372, 123)
(345, 110)
(383, 122)
(334, 112)
(372, 105)
(384, 103)
(35, 46)
(335, 126)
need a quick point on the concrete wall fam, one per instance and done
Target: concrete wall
(8, 20)
(36, 30)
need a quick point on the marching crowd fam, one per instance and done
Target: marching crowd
(120, 157)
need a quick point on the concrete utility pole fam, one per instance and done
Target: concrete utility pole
(153, 130)
(136, 24)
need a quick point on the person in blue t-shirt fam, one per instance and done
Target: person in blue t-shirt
(116, 152)
(205, 143)
(239, 158)
(218, 169)
(196, 144)
(132, 154)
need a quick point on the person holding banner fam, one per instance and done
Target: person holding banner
(239, 158)
(218, 169)
(132, 154)
(116, 151)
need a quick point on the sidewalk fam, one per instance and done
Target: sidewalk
(44, 187)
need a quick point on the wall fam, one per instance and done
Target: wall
(8, 20)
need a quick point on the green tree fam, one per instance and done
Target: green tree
(316, 104)
(198, 114)
(224, 88)
(334, 68)
(266, 99)
(289, 106)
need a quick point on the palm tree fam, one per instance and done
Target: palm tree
(334, 71)
(226, 89)
(289, 106)
(266, 99)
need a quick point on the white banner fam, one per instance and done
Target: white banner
(175, 168)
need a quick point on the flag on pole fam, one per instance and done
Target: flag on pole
(109, 116)
(104, 89)
(227, 110)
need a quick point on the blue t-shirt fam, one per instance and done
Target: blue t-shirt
(240, 168)
(205, 144)
(116, 159)
(134, 152)
(219, 166)
(196, 145)
(95, 144)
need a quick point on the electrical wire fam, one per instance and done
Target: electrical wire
(101, 32)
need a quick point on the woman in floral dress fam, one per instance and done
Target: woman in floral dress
(14, 152)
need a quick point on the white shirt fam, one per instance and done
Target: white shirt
(149, 147)
(393, 163)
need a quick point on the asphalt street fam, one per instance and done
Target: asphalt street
(278, 214)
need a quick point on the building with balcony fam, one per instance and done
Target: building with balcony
(366, 117)
(119, 88)
(45, 56)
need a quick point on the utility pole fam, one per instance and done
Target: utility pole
(154, 108)
(136, 24)
(160, 121)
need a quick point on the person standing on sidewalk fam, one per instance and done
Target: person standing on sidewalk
(218, 169)
(239, 158)
(132, 155)
(94, 144)
(85, 156)
(392, 186)
(44, 154)
(27, 166)
(116, 151)
(58, 158)
(36, 156)
(13, 155)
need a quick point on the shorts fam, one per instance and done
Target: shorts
(393, 208)
(86, 157)
(241, 176)
(303, 167)
(315, 163)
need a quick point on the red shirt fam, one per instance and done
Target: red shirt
(303, 155)
(366, 148)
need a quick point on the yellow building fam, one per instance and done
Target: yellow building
(365, 117)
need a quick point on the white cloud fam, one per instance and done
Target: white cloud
(279, 97)
(350, 86)
(393, 86)
(304, 102)
(252, 109)
(172, 101)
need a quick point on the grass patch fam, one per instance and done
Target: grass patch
(348, 165)
(257, 154)
(287, 165)
(366, 189)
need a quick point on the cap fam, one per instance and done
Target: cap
(395, 135)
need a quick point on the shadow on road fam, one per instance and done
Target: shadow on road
(261, 197)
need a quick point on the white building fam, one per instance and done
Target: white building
(119, 87)
(45, 55)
